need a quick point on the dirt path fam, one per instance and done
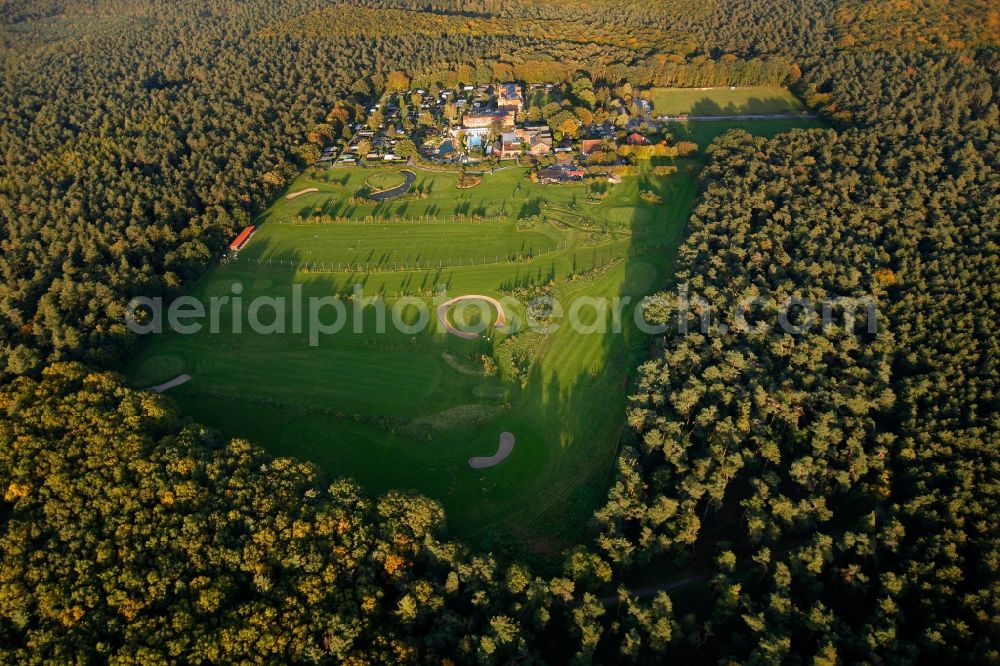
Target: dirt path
(505, 446)
(301, 192)
(442, 314)
(166, 386)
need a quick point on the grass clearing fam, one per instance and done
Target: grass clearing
(762, 100)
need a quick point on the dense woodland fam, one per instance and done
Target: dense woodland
(851, 474)
(834, 494)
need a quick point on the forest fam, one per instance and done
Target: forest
(824, 498)
(856, 468)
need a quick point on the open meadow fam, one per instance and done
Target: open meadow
(409, 409)
(750, 100)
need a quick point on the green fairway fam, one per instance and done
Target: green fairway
(506, 195)
(396, 246)
(724, 101)
(407, 409)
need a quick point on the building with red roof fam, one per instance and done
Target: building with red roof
(242, 239)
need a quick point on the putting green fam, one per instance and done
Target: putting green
(470, 326)
(384, 180)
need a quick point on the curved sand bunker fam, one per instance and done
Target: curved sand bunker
(442, 314)
(165, 386)
(504, 448)
(301, 192)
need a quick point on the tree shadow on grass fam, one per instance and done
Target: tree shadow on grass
(530, 208)
(752, 106)
(581, 410)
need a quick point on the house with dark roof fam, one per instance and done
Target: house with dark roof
(560, 174)
(540, 144)
(550, 175)
(510, 96)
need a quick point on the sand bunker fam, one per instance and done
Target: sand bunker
(504, 448)
(301, 192)
(442, 315)
(165, 386)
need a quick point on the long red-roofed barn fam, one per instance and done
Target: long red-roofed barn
(242, 239)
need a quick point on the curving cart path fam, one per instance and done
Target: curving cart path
(408, 176)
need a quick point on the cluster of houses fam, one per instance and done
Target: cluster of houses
(493, 127)
(380, 147)
(461, 124)
(379, 139)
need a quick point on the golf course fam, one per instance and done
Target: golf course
(537, 411)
